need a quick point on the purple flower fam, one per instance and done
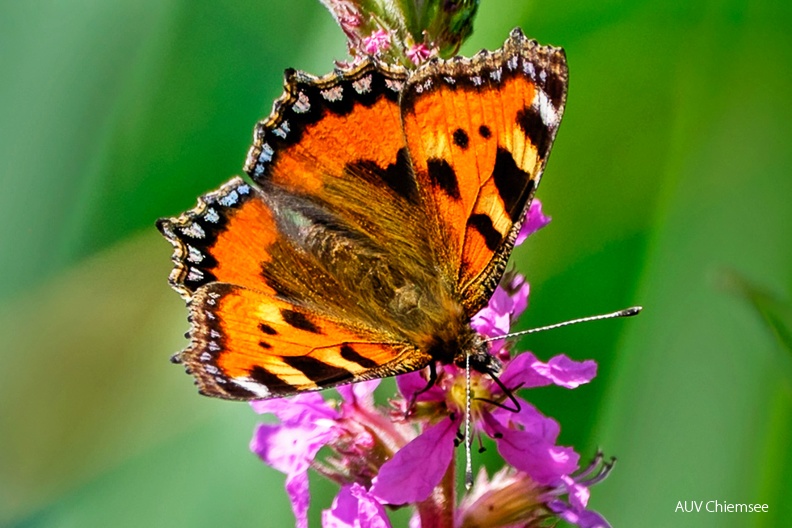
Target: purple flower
(418, 53)
(512, 498)
(534, 221)
(308, 424)
(412, 474)
(379, 457)
(355, 507)
(404, 33)
(376, 42)
(507, 303)
(526, 439)
(576, 489)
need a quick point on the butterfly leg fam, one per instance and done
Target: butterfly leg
(429, 384)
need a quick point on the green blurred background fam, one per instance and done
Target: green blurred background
(670, 186)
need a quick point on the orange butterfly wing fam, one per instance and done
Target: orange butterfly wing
(225, 238)
(322, 128)
(354, 256)
(479, 132)
(250, 345)
(271, 313)
(248, 341)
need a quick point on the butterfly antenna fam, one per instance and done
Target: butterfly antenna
(468, 463)
(627, 312)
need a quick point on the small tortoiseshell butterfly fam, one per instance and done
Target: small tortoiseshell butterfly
(384, 209)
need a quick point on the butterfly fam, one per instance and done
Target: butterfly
(383, 208)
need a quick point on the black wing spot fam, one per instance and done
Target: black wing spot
(267, 329)
(265, 345)
(352, 355)
(483, 224)
(555, 87)
(400, 177)
(461, 138)
(234, 390)
(529, 120)
(485, 132)
(397, 176)
(442, 175)
(317, 371)
(299, 321)
(514, 184)
(269, 380)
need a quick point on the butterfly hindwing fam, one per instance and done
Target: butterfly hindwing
(247, 345)
(479, 132)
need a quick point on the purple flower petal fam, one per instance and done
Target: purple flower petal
(592, 519)
(578, 493)
(520, 372)
(566, 372)
(358, 392)
(490, 324)
(343, 512)
(583, 519)
(521, 290)
(354, 507)
(371, 514)
(495, 319)
(505, 305)
(290, 449)
(418, 53)
(414, 471)
(500, 304)
(301, 409)
(532, 451)
(413, 382)
(297, 489)
(525, 369)
(534, 221)
(376, 42)
(530, 419)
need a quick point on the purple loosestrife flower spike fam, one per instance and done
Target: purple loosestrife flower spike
(405, 32)
(379, 458)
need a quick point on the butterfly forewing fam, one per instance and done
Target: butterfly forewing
(226, 238)
(323, 127)
(479, 131)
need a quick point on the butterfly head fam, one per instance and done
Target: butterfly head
(480, 358)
